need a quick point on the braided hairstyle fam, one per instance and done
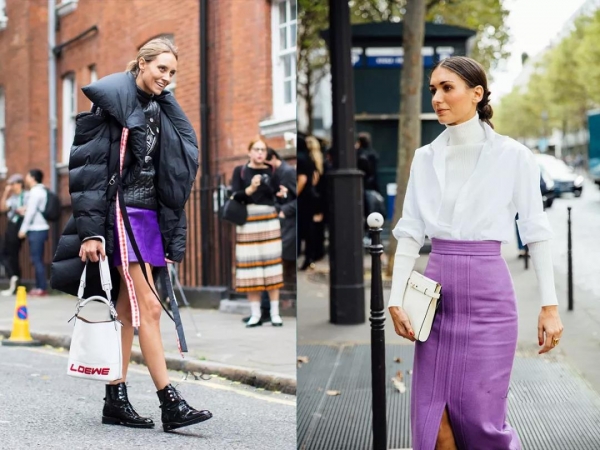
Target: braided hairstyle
(474, 75)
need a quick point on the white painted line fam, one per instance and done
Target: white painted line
(222, 387)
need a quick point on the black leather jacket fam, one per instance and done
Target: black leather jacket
(140, 192)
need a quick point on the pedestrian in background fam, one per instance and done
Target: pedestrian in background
(13, 203)
(35, 228)
(311, 170)
(287, 214)
(287, 218)
(367, 160)
(258, 242)
(161, 162)
(463, 191)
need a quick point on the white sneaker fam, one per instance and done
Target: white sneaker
(11, 288)
(254, 321)
(276, 320)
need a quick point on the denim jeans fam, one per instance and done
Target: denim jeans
(37, 239)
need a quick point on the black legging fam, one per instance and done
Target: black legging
(11, 250)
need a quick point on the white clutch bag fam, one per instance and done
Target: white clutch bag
(420, 301)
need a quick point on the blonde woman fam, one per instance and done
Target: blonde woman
(160, 166)
(311, 200)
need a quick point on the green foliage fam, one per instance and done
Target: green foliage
(488, 17)
(313, 17)
(562, 85)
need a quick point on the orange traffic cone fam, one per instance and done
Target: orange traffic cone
(20, 331)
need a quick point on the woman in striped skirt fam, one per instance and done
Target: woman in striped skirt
(258, 245)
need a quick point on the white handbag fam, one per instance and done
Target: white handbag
(95, 352)
(420, 301)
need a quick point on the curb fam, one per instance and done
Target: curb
(252, 377)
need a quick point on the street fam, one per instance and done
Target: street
(585, 217)
(41, 407)
(568, 378)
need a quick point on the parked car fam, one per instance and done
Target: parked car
(547, 187)
(565, 178)
(594, 170)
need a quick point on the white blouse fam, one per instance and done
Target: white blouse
(506, 180)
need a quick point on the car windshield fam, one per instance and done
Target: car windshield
(555, 167)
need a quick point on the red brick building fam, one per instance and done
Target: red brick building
(251, 74)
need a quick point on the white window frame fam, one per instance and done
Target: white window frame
(2, 132)
(93, 73)
(3, 17)
(281, 109)
(69, 112)
(93, 76)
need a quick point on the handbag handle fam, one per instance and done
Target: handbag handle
(105, 278)
(81, 304)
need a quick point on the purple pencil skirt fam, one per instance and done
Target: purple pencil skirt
(466, 363)
(144, 223)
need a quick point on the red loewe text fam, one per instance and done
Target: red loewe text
(90, 370)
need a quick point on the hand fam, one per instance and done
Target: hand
(254, 184)
(282, 192)
(22, 210)
(401, 323)
(7, 189)
(256, 180)
(90, 249)
(168, 261)
(549, 327)
(281, 215)
(22, 235)
(318, 218)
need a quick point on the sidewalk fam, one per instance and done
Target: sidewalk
(554, 401)
(262, 356)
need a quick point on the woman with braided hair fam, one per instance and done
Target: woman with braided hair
(464, 191)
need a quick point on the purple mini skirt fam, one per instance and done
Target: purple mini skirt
(144, 223)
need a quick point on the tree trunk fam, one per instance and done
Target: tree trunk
(309, 99)
(409, 126)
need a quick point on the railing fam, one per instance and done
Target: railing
(221, 267)
(221, 237)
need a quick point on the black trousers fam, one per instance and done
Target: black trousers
(11, 250)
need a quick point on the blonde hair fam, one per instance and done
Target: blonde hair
(314, 151)
(149, 51)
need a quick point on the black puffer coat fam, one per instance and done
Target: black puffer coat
(97, 139)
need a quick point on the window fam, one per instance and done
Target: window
(93, 77)
(69, 111)
(2, 128)
(3, 18)
(284, 61)
(93, 73)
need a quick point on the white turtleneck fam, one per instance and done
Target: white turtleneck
(462, 153)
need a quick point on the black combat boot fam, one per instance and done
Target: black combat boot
(176, 413)
(118, 411)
